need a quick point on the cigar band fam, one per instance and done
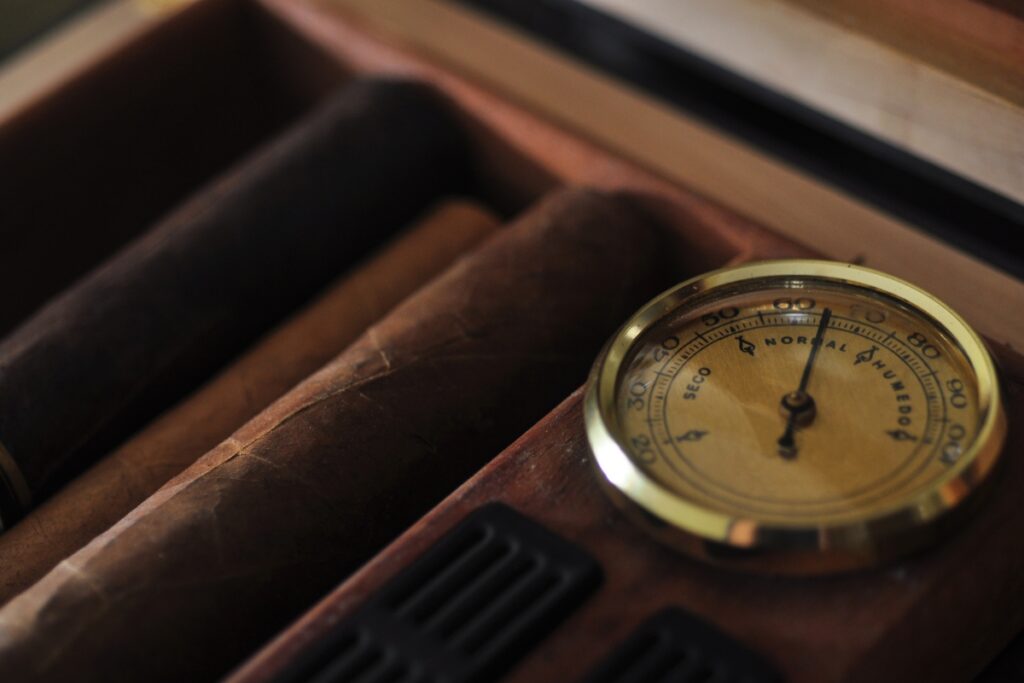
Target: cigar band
(15, 497)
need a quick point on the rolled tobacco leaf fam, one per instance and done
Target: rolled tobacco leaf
(299, 346)
(209, 567)
(170, 308)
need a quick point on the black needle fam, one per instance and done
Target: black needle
(799, 403)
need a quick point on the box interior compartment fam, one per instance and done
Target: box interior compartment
(94, 163)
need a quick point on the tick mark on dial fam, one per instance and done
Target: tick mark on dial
(692, 435)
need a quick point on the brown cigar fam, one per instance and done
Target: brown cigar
(210, 566)
(122, 480)
(169, 309)
(870, 625)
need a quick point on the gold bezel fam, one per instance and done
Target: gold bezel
(793, 547)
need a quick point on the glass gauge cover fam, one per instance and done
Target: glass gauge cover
(796, 415)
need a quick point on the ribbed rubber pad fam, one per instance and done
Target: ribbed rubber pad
(676, 647)
(463, 612)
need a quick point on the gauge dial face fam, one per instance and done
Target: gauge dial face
(807, 396)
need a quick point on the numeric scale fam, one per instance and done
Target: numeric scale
(820, 415)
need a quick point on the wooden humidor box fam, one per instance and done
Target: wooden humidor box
(156, 99)
(117, 142)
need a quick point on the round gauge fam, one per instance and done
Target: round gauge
(795, 416)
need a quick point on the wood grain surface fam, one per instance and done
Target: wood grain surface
(980, 41)
(938, 617)
(688, 153)
(885, 88)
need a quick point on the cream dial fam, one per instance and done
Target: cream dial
(802, 399)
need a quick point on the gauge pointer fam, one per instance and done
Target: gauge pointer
(798, 405)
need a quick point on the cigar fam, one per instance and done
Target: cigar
(546, 475)
(94, 501)
(169, 309)
(859, 626)
(206, 569)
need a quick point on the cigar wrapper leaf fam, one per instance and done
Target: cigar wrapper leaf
(201, 573)
(164, 313)
(121, 480)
